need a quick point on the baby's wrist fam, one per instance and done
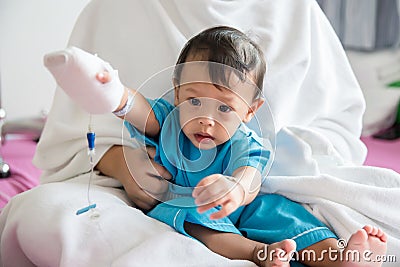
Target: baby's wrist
(126, 104)
(124, 99)
(239, 183)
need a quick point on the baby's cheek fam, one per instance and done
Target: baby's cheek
(186, 116)
(228, 128)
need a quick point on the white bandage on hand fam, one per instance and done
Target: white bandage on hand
(75, 71)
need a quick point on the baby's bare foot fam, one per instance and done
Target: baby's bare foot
(277, 254)
(370, 242)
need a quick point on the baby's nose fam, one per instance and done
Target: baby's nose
(207, 121)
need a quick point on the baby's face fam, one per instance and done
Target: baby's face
(210, 114)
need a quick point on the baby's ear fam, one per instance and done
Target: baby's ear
(253, 109)
(176, 91)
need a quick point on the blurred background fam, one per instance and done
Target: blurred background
(370, 32)
(368, 29)
(28, 30)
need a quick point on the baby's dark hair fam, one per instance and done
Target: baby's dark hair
(227, 46)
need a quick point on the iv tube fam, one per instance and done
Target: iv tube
(91, 152)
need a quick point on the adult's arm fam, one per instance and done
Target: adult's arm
(136, 170)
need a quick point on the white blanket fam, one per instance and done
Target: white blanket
(314, 97)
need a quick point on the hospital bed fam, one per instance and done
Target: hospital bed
(318, 120)
(18, 140)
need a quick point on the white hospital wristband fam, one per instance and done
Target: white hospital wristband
(127, 107)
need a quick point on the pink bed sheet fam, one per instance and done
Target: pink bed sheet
(24, 175)
(383, 153)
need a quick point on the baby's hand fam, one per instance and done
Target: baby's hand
(218, 190)
(74, 70)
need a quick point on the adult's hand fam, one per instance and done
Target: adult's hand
(144, 180)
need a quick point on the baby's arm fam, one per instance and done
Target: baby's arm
(141, 114)
(230, 192)
(75, 69)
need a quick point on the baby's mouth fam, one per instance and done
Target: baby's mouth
(203, 137)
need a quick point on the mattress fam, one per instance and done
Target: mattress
(18, 155)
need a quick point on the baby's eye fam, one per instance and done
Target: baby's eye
(224, 108)
(195, 102)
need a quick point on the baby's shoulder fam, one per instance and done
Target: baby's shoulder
(246, 135)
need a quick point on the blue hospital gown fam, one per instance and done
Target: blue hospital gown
(269, 218)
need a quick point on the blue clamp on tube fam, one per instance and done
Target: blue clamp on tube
(85, 209)
(90, 137)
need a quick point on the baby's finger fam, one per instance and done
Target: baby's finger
(204, 208)
(103, 77)
(226, 209)
(151, 151)
(211, 204)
